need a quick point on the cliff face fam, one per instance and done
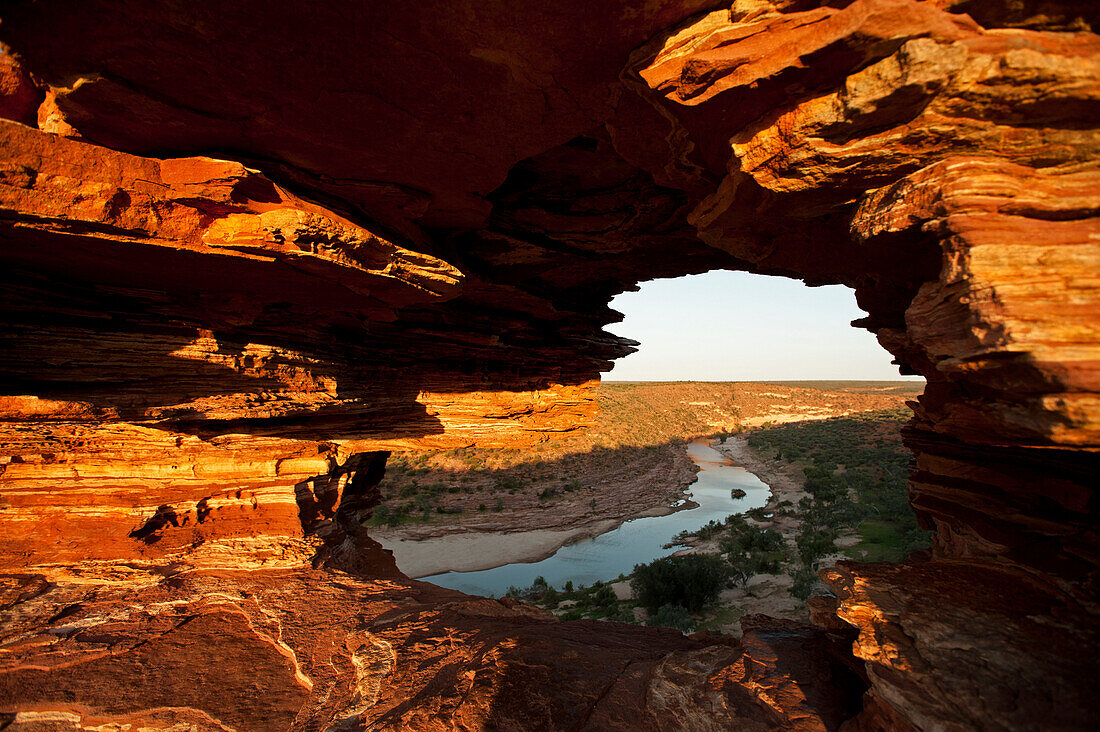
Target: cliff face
(247, 250)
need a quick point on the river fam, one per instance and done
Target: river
(637, 541)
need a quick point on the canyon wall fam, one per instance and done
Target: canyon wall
(250, 248)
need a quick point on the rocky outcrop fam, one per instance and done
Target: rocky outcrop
(309, 649)
(944, 651)
(248, 249)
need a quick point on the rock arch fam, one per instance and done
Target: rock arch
(248, 247)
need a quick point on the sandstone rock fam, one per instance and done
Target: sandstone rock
(251, 248)
(969, 645)
(19, 97)
(316, 649)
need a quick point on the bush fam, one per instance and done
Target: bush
(805, 584)
(539, 591)
(707, 530)
(672, 616)
(750, 550)
(691, 581)
(604, 597)
(740, 568)
(760, 513)
(812, 545)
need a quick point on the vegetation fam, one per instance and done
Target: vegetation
(806, 582)
(856, 470)
(855, 474)
(640, 426)
(750, 550)
(597, 601)
(672, 616)
(659, 413)
(906, 388)
(690, 581)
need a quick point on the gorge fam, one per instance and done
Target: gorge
(636, 541)
(249, 249)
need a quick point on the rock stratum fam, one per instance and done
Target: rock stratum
(249, 248)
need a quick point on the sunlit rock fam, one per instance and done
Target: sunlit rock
(251, 247)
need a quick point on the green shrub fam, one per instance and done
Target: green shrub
(760, 513)
(806, 582)
(672, 616)
(691, 581)
(509, 483)
(814, 544)
(604, 597)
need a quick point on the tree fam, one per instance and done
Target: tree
(814, 544)
(691, 581)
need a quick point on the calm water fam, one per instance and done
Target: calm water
(638, 541)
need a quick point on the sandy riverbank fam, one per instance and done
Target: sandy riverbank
(477, 550)
(470, 552)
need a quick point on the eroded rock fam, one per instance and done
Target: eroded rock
(249, 249)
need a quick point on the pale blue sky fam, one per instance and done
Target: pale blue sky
(735, 326)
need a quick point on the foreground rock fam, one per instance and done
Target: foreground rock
(321, 650)
(250, 248)
(939, 645)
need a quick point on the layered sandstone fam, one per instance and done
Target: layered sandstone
(310, 649)
(248, 249)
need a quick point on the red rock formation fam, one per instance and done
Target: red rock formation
(250, 248)
(321, 650)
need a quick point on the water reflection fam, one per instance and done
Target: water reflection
(638, 541)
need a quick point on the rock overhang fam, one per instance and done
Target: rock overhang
(246, 247)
